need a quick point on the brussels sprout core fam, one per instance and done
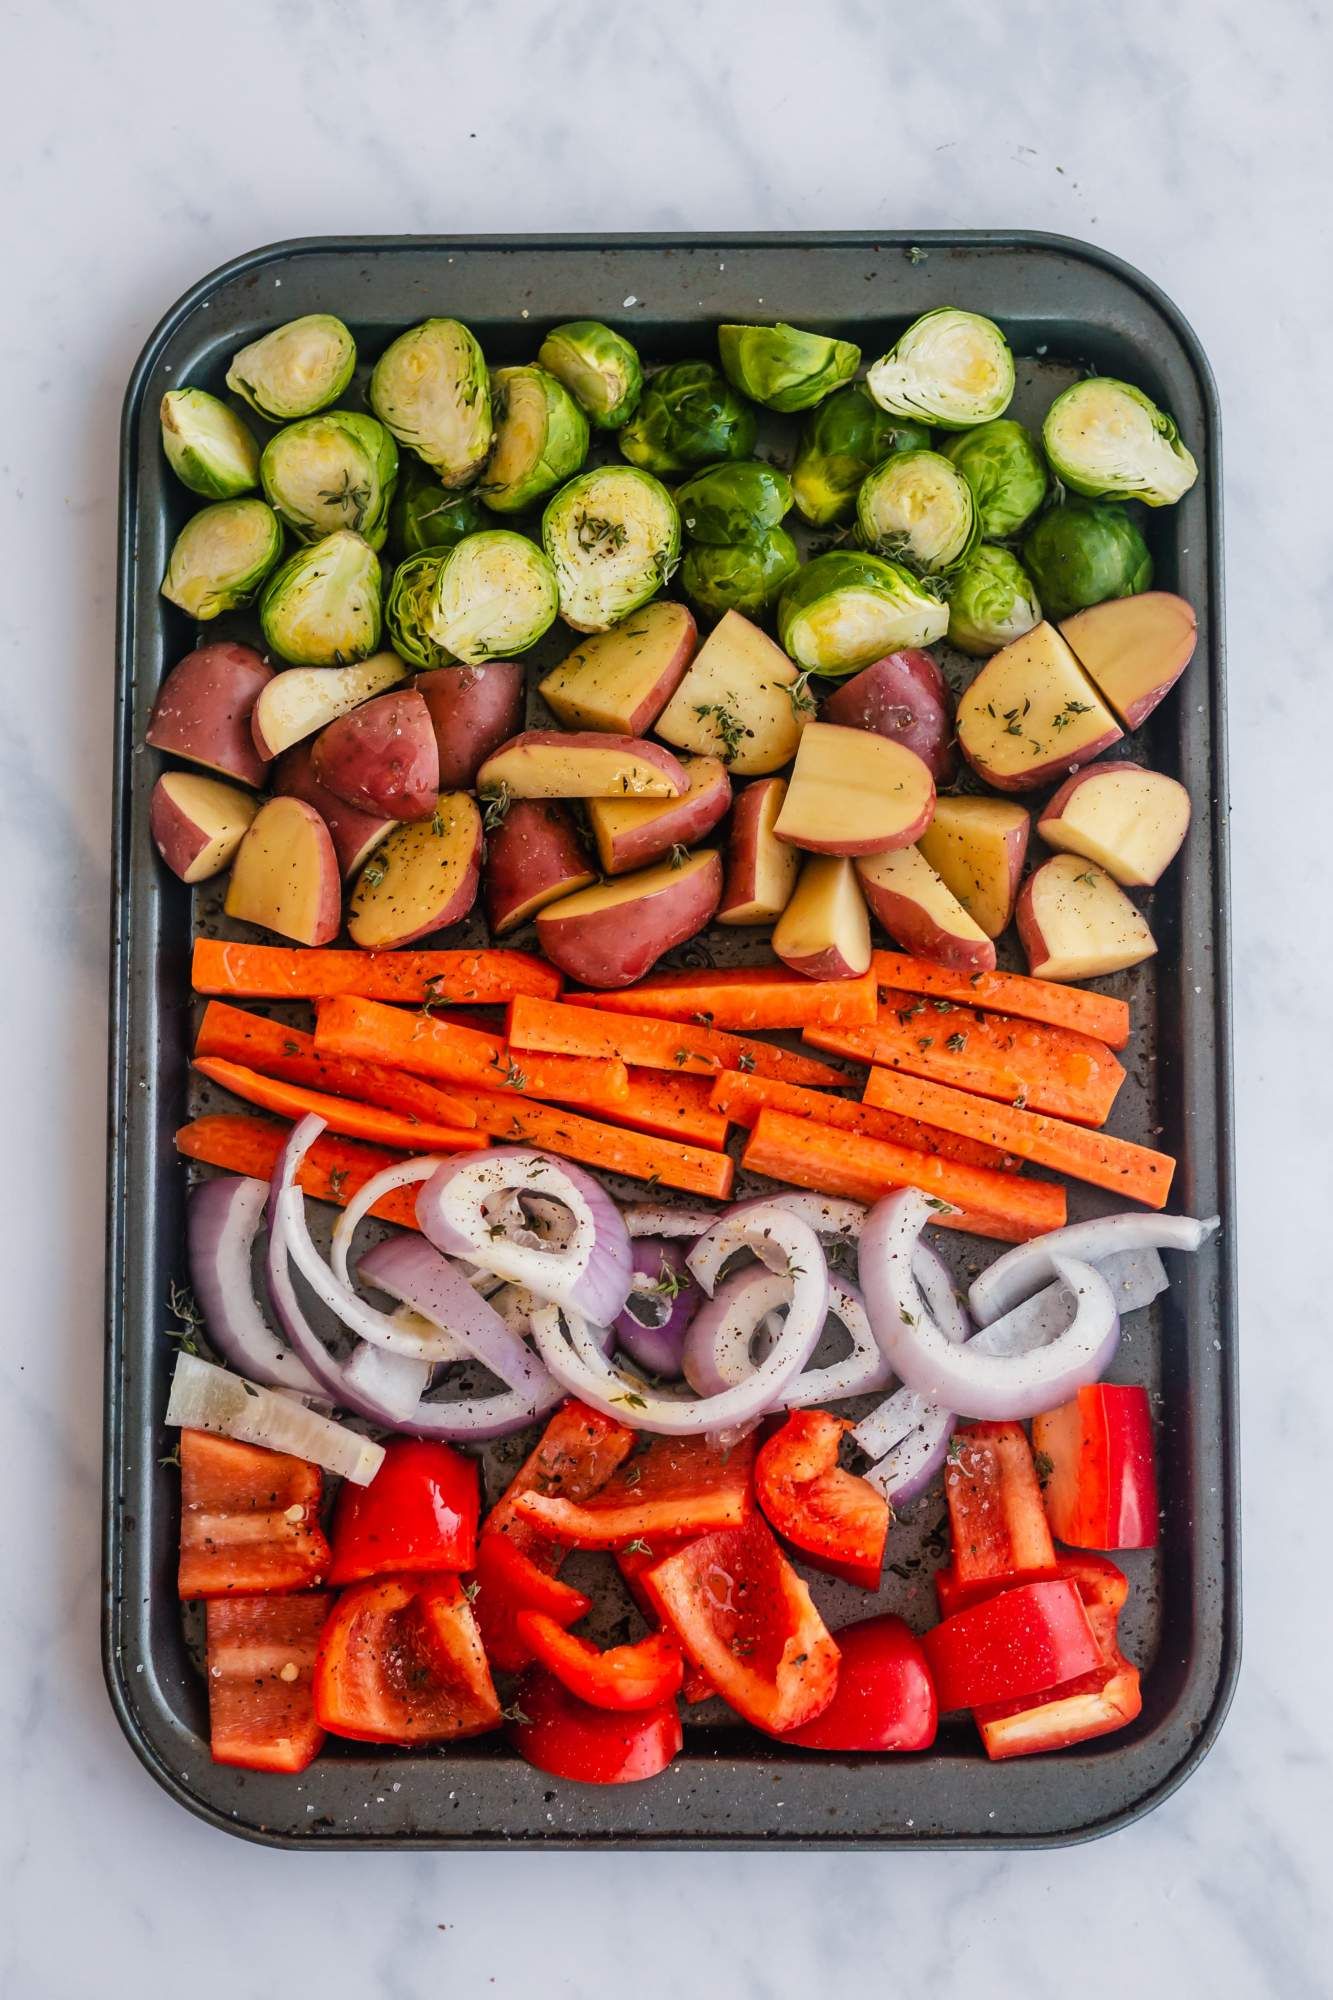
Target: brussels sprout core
(1107, 438)
(613, 536)
(495, 594)
(739, 576)
(846, 608)
(207, 446)
(918, 507)
(991, 601)
(843, 440)
(429, 386)
(221, 556)
(541, 437)
(689, 415)
(295, 370)
(322, 608)
(599, 368)
(734, 501)
(1083, 552)
(334, 471)
(408, 610)
(783, 368)
(1002, 464)
(950, 368)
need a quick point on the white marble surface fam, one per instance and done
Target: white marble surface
(143, 144)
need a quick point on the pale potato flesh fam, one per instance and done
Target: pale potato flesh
(919, 912)
(1130, 821)
(621, 680)
(285, 875)
(197, 823)
(761, 869)
(1032, 715)
(824, 931)
(735, 701)
(421, 878)
(543, 764)
(297, 702)
(976, 847)
(631, 832)
(854, 792)
(1076, 923)
(1134, 648)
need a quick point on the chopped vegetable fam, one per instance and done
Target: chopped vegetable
(207, 446)
(295, 369)
(687, 1048)
(613, 540)
(260, 1662)
(688, 415)
(1045, 1000)
(1018, 1643)
(333, 471)
(747, 998)
(205, 1398)
(743, 1098)
(509, 1581)
(341, 1114)
(576, 1454)
(290, 1053)
(623, 1678)
(784, 368)
(418, 1514)
(837, 1521)
(430, 388)
(221, 557)
(951, 368)
(1091, 1705)
(333, 1170)
(997, 1523)
(568, 1738)
(679, 1486)
(249, 1518)
(1106, 437)
(1101, 1486)
(885, 1698)
(401, 1661)
(453, 978)
(842, 440)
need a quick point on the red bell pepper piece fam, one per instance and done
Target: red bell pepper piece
(1104, 1699)
(1016, 1644)
(574, 1457)
(742, 1613)
(401, 1661)
(249, 1519)
(677, 1487)
(632, 1562)
(261, 1658)
(557, 1732)
(419, 1513)
(838, 1521)
(998, 1524)
(1100, 1486)
(643, 1675)
(509, 1582)
(885, 1698)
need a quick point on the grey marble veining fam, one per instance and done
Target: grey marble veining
(143, 145)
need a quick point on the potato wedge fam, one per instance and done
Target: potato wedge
(761, 869)
(421, 878)
(630, 833)
(197, 823)
(824, 931)
(354, 833)
(904, 696)
(612, 934)
(854, 792)
(533, 857)
(474, 710)
(1134, 648)
(1076, 923)
(919, 913)
(582, 764)
(204, 706)
(297, 702)
(977, 848)
(285, 875)
(1032, 716)
(382, 757)
(621, 680)
(1129, 820)
(738, 701)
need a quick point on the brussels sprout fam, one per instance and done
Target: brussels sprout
(614, 537)
(991, 601)
(429, 386)
(783, 368)
(334, 471)
(950, 368)
(918, 507)
(689, 415)
(739, 576)
(733, 502)
(425, 515)
(1081, 553)
(842, 440)
(1003, 465)
(207, 446)
(221, 556)
(495, 594)
(295, 370)
(1105, 438)
(541, 437)
(598, 367)
(322, 608)
(407, 610)
(848, 607)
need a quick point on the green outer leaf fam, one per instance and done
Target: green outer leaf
(734, 501)
(1002, 463)
(598, 366)
(848, 607)
(743, 576)
(841, 442)
(688, 416)
(221, 556)
(992, 600)
(1082, 552)
(425, 515)
(520, 471)
(784, 368)
(207, 446)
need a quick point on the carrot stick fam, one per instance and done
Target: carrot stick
(674, 1107)
(742, 1098)
(1019, 1062)
(835, 1162)
(333, 1170)
(1134, 1171)
(669, 1045)
(515, 1121)
(745, 997)
(277, 1050)
(278, 972)
(341, 1114)
(1010, 993)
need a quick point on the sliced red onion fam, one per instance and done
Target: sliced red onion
(205, 1398)
(667, 1218)
(662, 1302)
(1028, 1266)
(857, 1373)
(389, 1382)
(831, 1218)
(403, 1173)
(719, 1347)
(939, 1294)
(415, 1322)
(777, 1238)
(917, 1453)
(223, 1217)
(1136, 1278)
(415, 1274)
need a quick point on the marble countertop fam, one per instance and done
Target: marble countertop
(141, 147)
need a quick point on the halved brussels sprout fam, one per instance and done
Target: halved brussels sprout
(408, 610)
(541, 437)
(322, 608)
(207, 446)
(688, 415)
(739, 576)
(425, 515)
(733, 502)
(848, 607)
(991, 601)
(613, 535)
(295, 370)
(334, 471)
(784, 368)
(1083, 552)
(842, 441)
(1106, 438)
(950, 368)
(599, 368)
(918, 508)
(221, 556)
(1003, 465)
(429, 386)
(495, 594)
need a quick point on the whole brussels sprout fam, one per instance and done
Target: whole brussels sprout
(408, 610)
(991, 601)
(333, 471)
(221, 556)
(739, 576)
(1106, 438)
(918, 507)
(783, 368)
(322, 607)
(848, 607)
(430, 387)
(842, 441)
(425, 515)
(734, 501)
(599, 368)
(295, 370)
(541, 437)
(950, 368)
(1003, 465)
(688, 415)
(613, 536)
(207, 446)
(1082, 552)
(495, 594)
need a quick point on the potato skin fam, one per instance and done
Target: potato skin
(197, 823)
(473, 710)
(904, 696)
(381, 757)
(750, 845)
(653, 833)
(914, 930)
(532, 857)
(622, 938)
(203, 708)
(418, 881)
(354, 833)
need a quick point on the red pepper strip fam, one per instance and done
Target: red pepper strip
(998, 1523)
(677, 1487)
(1091, 1705)
(509, 1582)
(401, 1661)
(419, 1513)
(249, 1519)
(1101, 1487)
(885, 1698)
(632, 1562)
(643, 1675)
(838, 1521)
(558, 1733)
(261, 1657)
(575, 1456)
(1014, 1645)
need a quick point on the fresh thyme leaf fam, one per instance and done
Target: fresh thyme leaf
(472, 1590)
(173, 1457)
(495, 805)
(679, 855)
(956, 1043)
(337, 1182)
(745, 1061)
(437, 823)
(800, 697)
(727, 723)
(631, 1400)
(638, 1547)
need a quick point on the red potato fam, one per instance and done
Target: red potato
(473, 711)
(1134, 648)
(203, 710)
(285, 875)
(1076, 923)
(853, 792)
(612, 934)
(824, 932)
(354, 833)
(761, 869)
(197, 823)
(421, 878)
(737, 701)
(906, 697)
(977, 848)
(582, 764)
(1032, 716)
(1128, 820)
(919, 913)
(533, 857)
(382, 757)
(632, 832)
(297, 702)
(621, 680)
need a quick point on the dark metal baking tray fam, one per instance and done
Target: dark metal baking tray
(1066, 307)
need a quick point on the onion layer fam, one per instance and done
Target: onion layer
(223, 1217)
(1028, 1266)
(663, 1300)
